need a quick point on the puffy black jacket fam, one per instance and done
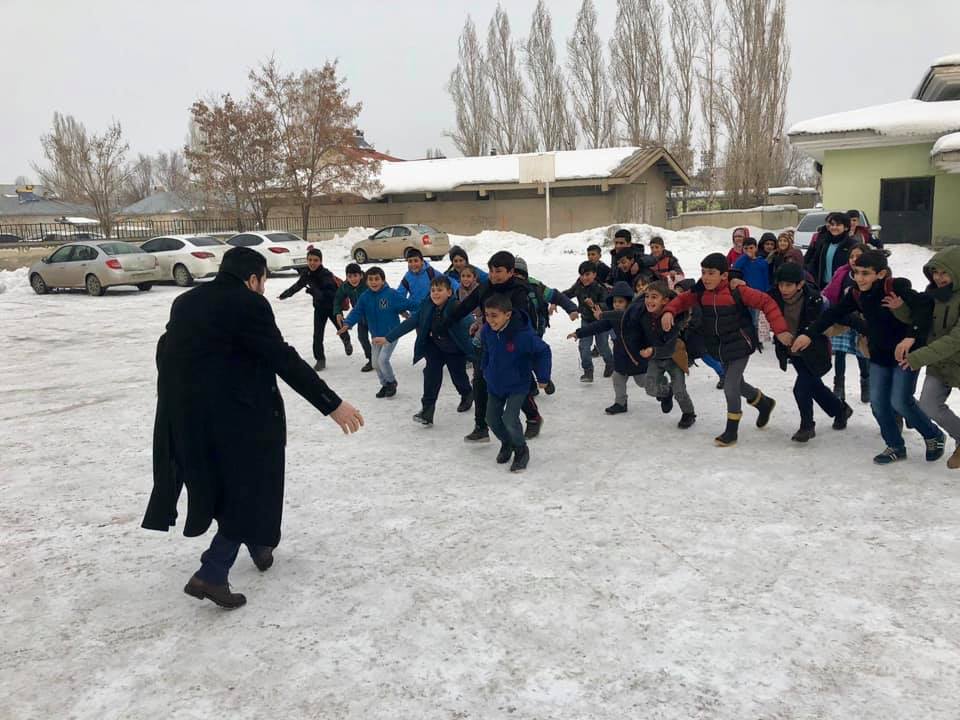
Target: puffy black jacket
(816, 256)
(816, 358)
(321, 284)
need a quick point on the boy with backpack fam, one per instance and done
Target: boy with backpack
(322, 286)
(590, 294)
(346, 298)
(420, 273)
(666, 267)
(451, 348)
(730, 336)
(595, 255)
(876, 295)
(801, 305)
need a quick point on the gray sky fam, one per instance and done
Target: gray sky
(144, 63)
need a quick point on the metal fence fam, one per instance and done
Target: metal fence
(145, 229)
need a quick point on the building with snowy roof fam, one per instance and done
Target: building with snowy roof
(899, 162)
(26, 204)
(468, 194)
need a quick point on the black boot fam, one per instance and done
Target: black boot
(521, 457)
(503, 457)
(219, 594)
(765, 406)
(391, 389)
(479, 434)
(804, 434)
(550, 389)
(533, 428)
(466, 402)
(587, 376)
(865, 389)
(607, 370)
(721, 381)
(729, 436)
(425, 416)
(616, 409)
(666, 402)
(382, 392)
(840, 421)
(368, 367)
(347, 345)
(686, 420)
(321, 364)
(838, 387)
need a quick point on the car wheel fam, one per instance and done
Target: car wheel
(145, 287)
(94, 286)
(38, 285)
(182, 276)
(360, 256)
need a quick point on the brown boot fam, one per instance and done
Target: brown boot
(954, 462)
(219, 594)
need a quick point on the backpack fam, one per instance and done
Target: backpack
(431, 274)
(742, 309)
(539, 308)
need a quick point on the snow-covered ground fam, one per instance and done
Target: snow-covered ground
(634, 571)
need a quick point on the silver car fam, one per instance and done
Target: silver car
(392, 242)
(95, 266)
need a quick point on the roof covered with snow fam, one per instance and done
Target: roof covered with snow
(446, 174)
(946, 144)
(14, 205)
(159, 203)
(902, 119)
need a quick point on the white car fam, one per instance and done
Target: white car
(283, 250)
(812, 220)
(183, 258)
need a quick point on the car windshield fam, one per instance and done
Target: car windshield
(205, 241)
(811, 222)
(283, 237)
(119, 248)
(425, 229)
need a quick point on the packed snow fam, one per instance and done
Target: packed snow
(946, 144)
(447, 173)
(634, 571)
(792, 190)
(946, 60)
(905, 118)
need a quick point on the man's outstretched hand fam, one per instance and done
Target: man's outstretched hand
(347, 417)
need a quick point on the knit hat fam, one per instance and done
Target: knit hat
(622, 289)
(520, 265)
(790, 272)
(457, 251)
(715, 261)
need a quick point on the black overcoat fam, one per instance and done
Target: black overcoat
(220, 427)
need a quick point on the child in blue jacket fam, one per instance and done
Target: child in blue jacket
(379, 309)
(512, 351)
(751, 268)
(420, 273)
(441, 344)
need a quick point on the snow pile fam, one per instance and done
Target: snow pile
(447, 173)
(946, 144)
(14, 281)
(792, 190)
(905, 118)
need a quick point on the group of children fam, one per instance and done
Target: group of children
(650, 324)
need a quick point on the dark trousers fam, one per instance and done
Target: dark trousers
(321, 315)
(529, 407)
(809, 389)
(840, 366)
(217, 559)
(503, 417)
(456, 364)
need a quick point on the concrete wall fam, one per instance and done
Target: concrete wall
(524, 211)
(851, 178)
(774, 218)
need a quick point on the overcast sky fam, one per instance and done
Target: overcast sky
(144, 63)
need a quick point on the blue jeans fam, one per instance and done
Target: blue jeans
(217, 560)
(891, 394)
(503, 418)
(711, 362)
(380, 357)
(603, 342)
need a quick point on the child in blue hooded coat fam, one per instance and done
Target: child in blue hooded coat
(420, 273)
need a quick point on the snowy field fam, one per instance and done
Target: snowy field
(634, 571)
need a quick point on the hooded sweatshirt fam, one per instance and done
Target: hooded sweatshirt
(511, 355)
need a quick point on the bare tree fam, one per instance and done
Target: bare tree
(316, 128)
(628, 69)
(684, 43)
(509, 127)
(170, 171)
(235, 158)
(21, 180)
(588, 84)
(753, 98)
(140, 180)
(85, 167)
(708, 80)
(659, 75)
(471, 96)
(550, 114)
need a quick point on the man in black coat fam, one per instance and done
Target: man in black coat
(220, 427)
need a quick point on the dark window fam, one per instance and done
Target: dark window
(204, 241)
(155, 245)
(245, 240)
(62, 254)
(119, 248)
(383, 234)
(401, 231)
(84, 253)
(284, 237)
(811, 222)
(173, 244)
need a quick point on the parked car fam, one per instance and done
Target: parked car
(66, 236)
(10, 238)
(814, 220)
(95, 266)
(391, 242)
(184, 258)
(283, 250)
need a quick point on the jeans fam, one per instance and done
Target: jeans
(603, 340)
(711, 362)
(456, 364)
(933, 401)
(321, 316)
(363, 335)
(891, 394)
(620, 386)
(664, 374)
(503, 417)
(380, 357)
(807, 389)
(217, 560)
(735, 386)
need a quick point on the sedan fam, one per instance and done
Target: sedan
(186, 257)
(283, 250)
(10, 238)
(393, 241)
(95, 266)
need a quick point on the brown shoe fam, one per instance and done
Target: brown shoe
(263, 558)
(219, 594)
(954, 462)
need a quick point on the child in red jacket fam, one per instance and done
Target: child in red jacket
(730, 336)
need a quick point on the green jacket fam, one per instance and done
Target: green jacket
(941, 354)
(345, 292)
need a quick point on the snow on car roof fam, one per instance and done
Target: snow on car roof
(904, 118)
(447, 173)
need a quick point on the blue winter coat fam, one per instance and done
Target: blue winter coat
(417, 285)
(511, 355)
(422, 322)
(755, 272)
(380, 310)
